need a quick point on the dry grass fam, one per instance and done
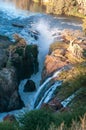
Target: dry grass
(81, 125)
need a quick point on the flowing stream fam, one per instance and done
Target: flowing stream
(48, 29)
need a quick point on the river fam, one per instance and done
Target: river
(33, 17)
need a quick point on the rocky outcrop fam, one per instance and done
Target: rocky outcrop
(53, 62)
(29, 86)
(17, 61)
(23, 57)
(63, 54)
(70, 54)
(9, 96)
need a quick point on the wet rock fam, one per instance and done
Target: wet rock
(3, 58)
(24, 58)
(53, 105)
(30, 86)
(17, 25)
(34, 33)
(9, 96)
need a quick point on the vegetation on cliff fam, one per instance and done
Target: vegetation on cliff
(63, 7)
(23, 57)
(45, 120)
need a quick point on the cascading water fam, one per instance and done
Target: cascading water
(48, 29)
(48, 94)
(44, 40)
(43, 88)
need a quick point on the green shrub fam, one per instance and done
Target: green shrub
(74, 80)
(41, 119)
(80, 125)
(8, 126)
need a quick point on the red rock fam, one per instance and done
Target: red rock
(53, 105)
(53, 63)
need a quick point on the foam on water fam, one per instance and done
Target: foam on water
(48, 94)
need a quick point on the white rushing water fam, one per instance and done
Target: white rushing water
(48, 94)
(68, 100)
(47, 34)
(44, 87)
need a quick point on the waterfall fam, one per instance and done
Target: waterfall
(48, 94)
(68, 100)
(27, 97)
(44, 87)
(43, 42)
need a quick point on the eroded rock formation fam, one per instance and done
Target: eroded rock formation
(9, 96)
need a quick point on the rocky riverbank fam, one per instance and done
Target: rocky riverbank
(17, 61)
(71, 54)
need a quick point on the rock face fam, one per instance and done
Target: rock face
(3, 58)
(9, 96)
(17, 61)
(30, 86)
(62, 54)
(4, 44)
(24, 58)
(53, 62)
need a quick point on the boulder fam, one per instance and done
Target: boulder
(9, 96)
(30, 86)
(53, 105)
